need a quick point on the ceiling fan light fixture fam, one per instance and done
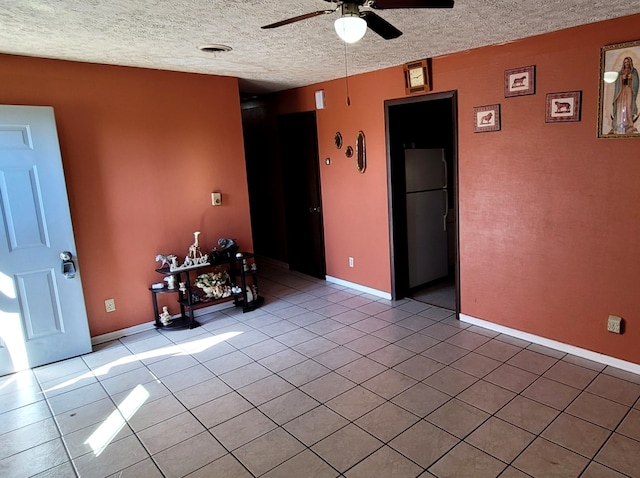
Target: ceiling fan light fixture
(610, 76)
(350, 28)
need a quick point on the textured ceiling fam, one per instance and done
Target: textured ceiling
(164, 34)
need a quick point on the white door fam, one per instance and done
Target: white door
(42, 313)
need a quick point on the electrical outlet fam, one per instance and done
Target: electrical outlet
(614, 324)
(110, 305)
(350, 261)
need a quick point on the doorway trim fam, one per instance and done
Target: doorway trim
(453, 95)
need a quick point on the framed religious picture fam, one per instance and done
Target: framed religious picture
(486, 118)
(520, 81)
(618, 107)
(563, 107)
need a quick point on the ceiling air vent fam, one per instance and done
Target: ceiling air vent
(214, 48)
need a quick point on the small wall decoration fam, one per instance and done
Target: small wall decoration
(348, 152)
(416, 77)
(520, 81)
(337, 140)
(361, 153)
(486, 118)
(563, 107)
(618, 108)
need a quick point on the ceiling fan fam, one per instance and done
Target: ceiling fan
(353, 22)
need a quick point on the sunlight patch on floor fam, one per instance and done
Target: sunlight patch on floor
(109, 429)
(186, 348)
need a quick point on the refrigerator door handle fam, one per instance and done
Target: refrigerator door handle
(446, 173)
(446, 208)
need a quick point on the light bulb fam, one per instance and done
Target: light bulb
(350, 28)
(610, 76)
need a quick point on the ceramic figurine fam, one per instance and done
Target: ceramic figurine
(194, 249)
(165, 260)
(183, 287)
(165, 317)
(171, 282)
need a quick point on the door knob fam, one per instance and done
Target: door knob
(68, 266)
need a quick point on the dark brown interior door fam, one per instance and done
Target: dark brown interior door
(303, 203)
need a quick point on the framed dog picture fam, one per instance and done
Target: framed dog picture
(486, 118)
(563, 107)
(520, 81)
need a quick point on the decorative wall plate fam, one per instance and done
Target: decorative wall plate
(348, 152)
(361, 153)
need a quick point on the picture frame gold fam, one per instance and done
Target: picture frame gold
(618, 106)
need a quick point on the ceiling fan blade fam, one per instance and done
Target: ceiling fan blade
(298, 18)
(380, 26)
(389, 4)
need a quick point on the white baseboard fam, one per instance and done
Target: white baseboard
(553, 344)
(361, 288)
(136, 329)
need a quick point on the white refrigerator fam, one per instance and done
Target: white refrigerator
(427, 206)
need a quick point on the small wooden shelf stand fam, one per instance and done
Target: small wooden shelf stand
(193, 299)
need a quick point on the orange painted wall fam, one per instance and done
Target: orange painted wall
(549, 214)
(142, 151)
(356, 222)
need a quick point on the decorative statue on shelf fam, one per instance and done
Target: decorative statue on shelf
(183, 287)
(171, 282)
(194, 249)
(165, 317)
(193, 258)
(165, 260)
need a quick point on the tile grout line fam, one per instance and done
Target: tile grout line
(322, 290)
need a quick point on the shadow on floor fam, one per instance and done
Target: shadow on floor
(441, 293)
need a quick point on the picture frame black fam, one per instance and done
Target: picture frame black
(520, 81)
(486, 118)
(563, 107)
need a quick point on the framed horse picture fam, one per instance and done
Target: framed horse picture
(563, 107)
(486, 118)
(520, 81)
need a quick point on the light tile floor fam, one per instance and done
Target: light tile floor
(321, 382)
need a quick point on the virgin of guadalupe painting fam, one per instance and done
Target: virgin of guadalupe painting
(619, 113)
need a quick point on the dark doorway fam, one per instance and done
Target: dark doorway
(302, 198)
(264, 178)
(425, 124)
